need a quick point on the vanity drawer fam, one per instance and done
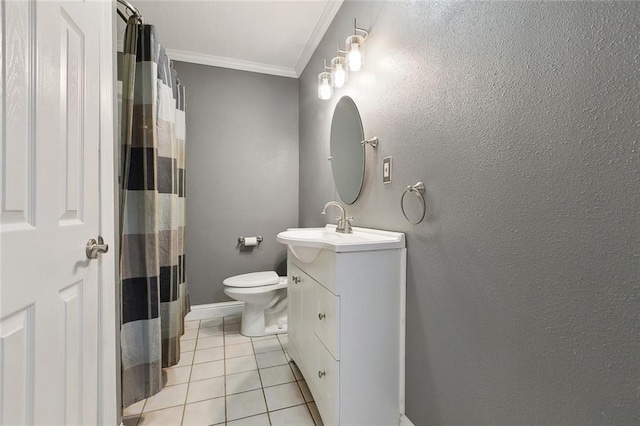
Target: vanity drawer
(326, 384)
(327, 319)
(322, 269)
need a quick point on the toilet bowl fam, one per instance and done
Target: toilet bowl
(265, 302)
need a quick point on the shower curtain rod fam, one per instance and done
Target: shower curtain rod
(132, 8)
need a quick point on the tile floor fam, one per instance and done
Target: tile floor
(225, 378)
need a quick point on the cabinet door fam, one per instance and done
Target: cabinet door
(301, 313)
(294, 306)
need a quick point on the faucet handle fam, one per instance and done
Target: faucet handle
(346, 225)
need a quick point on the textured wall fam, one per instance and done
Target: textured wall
(242, 172)
(523, 120)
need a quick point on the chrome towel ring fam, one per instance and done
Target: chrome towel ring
(418, 190)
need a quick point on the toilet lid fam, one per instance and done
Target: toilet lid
(254, 279)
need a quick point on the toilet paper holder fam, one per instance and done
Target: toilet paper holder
(241, 240)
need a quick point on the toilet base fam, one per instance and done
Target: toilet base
(257, 322)
(276, 329)
(268, 331)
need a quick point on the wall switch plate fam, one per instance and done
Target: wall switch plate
(386, 170)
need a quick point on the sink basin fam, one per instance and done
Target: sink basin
(306, 243)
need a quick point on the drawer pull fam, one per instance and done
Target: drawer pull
(321, 316)
(295, 279)
(321, 374)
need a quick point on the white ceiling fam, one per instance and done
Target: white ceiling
(271, 37)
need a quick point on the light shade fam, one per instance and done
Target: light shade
(338, 71)
(325, 90)
(355, 52)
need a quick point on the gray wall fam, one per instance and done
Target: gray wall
(523, 121)
(242, 172)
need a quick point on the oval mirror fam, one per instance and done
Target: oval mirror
(347, 151)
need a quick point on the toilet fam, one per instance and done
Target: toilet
(265, 302)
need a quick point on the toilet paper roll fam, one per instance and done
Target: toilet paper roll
(250, 241)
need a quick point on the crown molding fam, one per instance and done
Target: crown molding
(237, 64)
(329, 12)
(219, 61)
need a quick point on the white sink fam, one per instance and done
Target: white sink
(306, 243)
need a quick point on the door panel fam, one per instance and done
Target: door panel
(17, 356)
(72, 107)
(18, 92)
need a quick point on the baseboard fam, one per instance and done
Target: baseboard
(215, 310)
(404, 421)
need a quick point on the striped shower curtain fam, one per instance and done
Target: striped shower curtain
(154, 298)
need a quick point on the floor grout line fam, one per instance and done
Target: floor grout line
(264, 396)
(224, 367)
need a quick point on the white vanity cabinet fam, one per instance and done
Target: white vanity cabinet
(346, 332)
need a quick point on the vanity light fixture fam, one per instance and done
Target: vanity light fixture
(355, 47)
(350, 59)
(339, 69)
(325, 89)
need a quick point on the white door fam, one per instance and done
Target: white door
(51, 309)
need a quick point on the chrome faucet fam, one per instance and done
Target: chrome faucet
(344, 222)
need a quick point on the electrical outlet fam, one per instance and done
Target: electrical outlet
(386, 170)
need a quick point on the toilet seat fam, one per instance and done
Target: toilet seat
(256, 290)
(253, 279)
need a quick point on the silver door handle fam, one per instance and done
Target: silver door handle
(95, 248)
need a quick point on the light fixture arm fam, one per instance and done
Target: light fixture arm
(341, 51)
(364, 32)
